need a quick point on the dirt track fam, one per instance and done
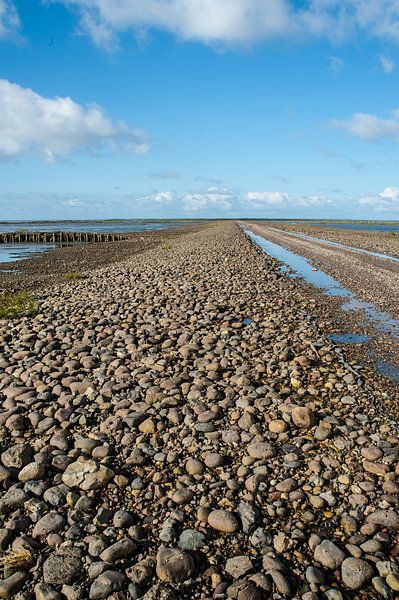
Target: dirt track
(372, 279)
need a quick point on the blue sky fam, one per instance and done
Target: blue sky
(199, 108)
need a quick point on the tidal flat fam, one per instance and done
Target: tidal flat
(178, 424)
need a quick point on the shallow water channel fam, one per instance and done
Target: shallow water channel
(295, 265)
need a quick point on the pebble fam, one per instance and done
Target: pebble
(182, 416)
(174, 565)
(223, 521)
(356, 573)
(329, 555)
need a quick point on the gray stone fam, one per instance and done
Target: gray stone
(238, 566)
(329, 555)
(123, 549)
(12, 499)
(62, 569)
(43, 591)
(12, 584)
(107, 583)
(356, 573)
(384, 518)
(52, 522)
(190, 539)
(17, 456)
(249, 516)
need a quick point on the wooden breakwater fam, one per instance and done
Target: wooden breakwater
(58, 237)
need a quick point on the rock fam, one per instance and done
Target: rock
(107, 583)
(43, 591)
(303, 417)
(384, 518)
(393, 581)
(62, 568)
(223, 521)
(329, 555)
(382, 588)
(87, 475)
(123, 519)
(195, 467)
(213, 460)
(278, 426)
(32, 471)
(160, 591)
(52, 522)
(190, 539)
(142, 572)
(174, 566)
(11, 500)
(238, 566)
(260, 450)
(12, 584)
(249, 516)
(123, 549)
(17, 456)
(356, 573)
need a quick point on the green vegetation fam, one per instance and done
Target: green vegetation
(168, 246)
(72, 276)
(16, 305)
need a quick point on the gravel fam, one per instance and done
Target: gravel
(179, 426)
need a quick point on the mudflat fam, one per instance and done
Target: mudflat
(178, 425)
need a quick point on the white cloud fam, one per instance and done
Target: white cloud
(270, 198)
(385, 201)
(213, 198)
(52, 128)
(259, 200)
(237, 22)
(387, 64)
(370, 128)
(390, 193)
(9, 19)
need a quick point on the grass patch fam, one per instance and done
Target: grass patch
(21, 558)
(72, 276)
(15, 305)
(167, 246)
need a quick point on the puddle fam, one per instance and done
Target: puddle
(247, 321)
(349, 338)
(380, 319)
(387, 369)
(313, 238)
(296, 266)
(9, 271)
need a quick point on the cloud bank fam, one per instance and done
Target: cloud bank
(53, 128)
(238, 22)
(209, 203)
